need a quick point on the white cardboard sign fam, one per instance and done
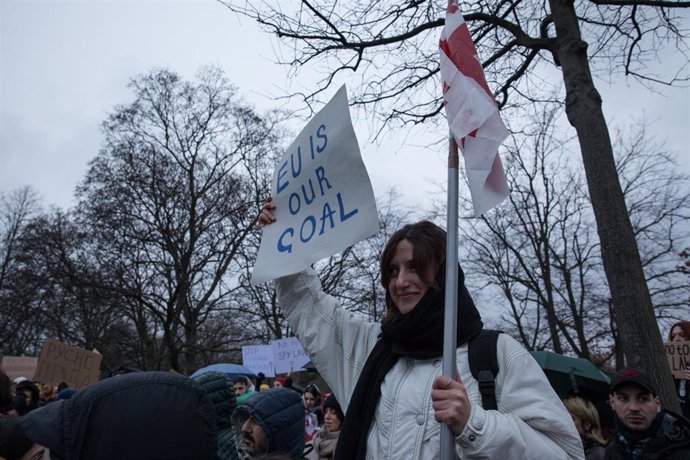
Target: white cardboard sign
(258, 358)
(323, 196)
(289, 355)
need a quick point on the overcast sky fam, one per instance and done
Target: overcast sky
(65, 64)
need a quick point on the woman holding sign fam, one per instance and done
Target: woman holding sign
(388, 375)
(680, 332)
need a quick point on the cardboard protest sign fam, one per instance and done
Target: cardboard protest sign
(59, 362)
(678, 355)
(19, 366)
(289, 355)
(258, 358)
(323, 196)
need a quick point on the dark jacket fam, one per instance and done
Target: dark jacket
(593, 450)
(219, 388)
(280, 414)
(151, 415)
(669, 439)
(683, 398)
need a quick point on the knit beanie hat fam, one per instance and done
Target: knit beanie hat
(333, 404)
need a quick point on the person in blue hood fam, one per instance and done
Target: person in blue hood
(151, 415)
(270, 423)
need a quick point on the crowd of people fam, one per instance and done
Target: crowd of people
(387, 395)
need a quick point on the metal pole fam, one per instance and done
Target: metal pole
(450, 332)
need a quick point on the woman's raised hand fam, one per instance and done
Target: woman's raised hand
(266, 216)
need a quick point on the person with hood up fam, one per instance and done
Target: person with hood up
(27, 396)
(14, 444)
(388, 375)
(270, 423)
(219, 387)
(244, 388)
(145, 415)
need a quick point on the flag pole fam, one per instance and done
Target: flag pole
(449, 320)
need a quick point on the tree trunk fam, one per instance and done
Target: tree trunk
(637, 327)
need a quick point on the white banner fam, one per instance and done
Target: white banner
(258, 358)
(323, 196)
(289, 355)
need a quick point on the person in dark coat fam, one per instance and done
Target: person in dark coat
(219, 387)
(14, 443)
(680, 332)
(643, 429)
(586, 419)
(151, 415)
(6, 395)
(270, 423)
(326, 439)
(27, 397)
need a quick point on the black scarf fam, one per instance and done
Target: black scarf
(419, 335)
(633, 443)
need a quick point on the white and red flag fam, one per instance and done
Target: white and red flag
(472, 113)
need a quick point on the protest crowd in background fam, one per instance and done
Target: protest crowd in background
(381, 391)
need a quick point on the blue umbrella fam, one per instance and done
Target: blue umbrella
(232, 370)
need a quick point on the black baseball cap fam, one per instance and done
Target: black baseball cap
(630, 375)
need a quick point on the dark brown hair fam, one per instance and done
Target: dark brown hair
(429, 250)
(684, 326)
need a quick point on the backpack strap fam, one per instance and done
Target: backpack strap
(482, 355)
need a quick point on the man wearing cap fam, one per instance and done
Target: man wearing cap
(643, 429)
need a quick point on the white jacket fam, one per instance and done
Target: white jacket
(530, 423)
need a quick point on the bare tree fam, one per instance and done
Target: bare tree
(17, 208)
(541, 253)
(172, 197)
(394, 47)
(539, 249)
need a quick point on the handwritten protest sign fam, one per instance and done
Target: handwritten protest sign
(678, 355)
(258, 358)
(323, 196)
(59, 362)
(19, 366)
(289, 355)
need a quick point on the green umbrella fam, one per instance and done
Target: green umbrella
(572, 376)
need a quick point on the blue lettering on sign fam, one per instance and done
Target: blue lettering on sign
(312, 221)
(281, 173)
(326, 214)
(294, 203)
(321, 176)
(321, 134)
(307, 228)
(296, 159)
(343, 216)
(285, 247)
(297, 172)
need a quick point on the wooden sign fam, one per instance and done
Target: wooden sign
(19, 366)
(59, 362)
(678, 355)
